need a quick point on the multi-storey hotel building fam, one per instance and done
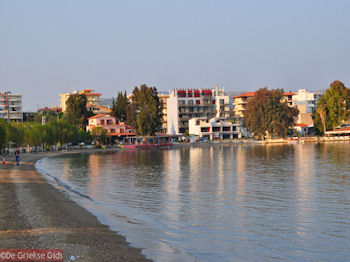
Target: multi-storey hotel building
(11, 106)
(184, 104)
(93, 99)
(163, 97)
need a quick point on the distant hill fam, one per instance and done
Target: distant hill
(106, 101)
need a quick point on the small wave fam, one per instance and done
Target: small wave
(55, 180)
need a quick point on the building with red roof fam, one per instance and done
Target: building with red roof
(114, 128)
(92, 98)
(240, 101)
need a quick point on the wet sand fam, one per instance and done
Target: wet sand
(34, 214)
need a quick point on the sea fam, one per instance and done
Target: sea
(218, 201)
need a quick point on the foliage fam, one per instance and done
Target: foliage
(15, 133)
(144, 113)
(3, 139)
(77, 113)
(119, 107)
(35, 134)
(99, 134)
(48, 115)
(265, 113)
(333, 108)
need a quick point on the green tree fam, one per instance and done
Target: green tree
(99, 134)
(34, 135)
(266, 114)
(337, 103)
(3, 137)
(77, 112)
(15, 133)
(321, 114)
(48, 115)
(120, 106)
(333, 108)
(144, 113)
(84, 136)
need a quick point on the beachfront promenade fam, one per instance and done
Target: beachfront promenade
(35, 215)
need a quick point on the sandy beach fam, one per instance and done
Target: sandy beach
(35, 215)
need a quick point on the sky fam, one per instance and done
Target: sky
(53, 47)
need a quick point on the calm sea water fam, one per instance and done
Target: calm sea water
(220, 202)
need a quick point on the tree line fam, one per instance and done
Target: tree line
(267, 115)
(58, 131)
(143, 112)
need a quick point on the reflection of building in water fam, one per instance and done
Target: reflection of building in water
(241, 173)
(200, 158)
(94, 165)
(220, 172)
(304, 172)
(171, 185)
(66, 170)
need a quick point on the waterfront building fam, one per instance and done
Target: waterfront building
(11, 106)
(340, 132)
(214, 128)
(185, 104)
(163, 97)
(302, 129)
(92, 98)
(114, 128)
(240, 102)
(240, 105)
(306, 102)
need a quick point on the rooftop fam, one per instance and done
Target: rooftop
(97, 116)
(250, 94)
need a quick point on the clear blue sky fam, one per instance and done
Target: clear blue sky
(50, 47)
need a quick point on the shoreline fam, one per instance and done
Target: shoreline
(36, 215)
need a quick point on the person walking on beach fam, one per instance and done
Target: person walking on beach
(17, 156)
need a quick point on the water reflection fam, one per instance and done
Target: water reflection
(222, 202)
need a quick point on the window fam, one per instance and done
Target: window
(108, 121)
(197, 123)
(190, 102)
(102, 122)
(222, 101)
(198, 102)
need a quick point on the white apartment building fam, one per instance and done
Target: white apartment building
(185, 104)
(11, 106)
(306, 102)
(215, 128)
